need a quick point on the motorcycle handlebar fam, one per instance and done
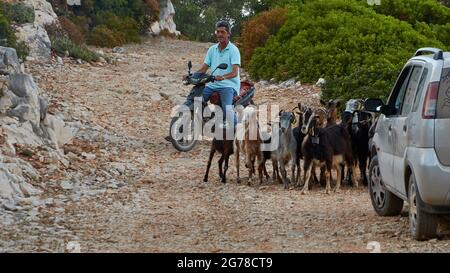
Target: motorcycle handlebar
(189, 80)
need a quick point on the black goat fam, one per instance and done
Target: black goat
(359, 132)
(329, 146)
(225, 147)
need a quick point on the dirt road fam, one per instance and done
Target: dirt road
(131, 191)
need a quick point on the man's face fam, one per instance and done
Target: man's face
(222, 34)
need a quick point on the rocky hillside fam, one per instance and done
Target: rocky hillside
(25, 125)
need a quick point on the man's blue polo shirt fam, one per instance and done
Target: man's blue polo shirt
(230, 55)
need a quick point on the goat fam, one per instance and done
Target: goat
(325, 146)
(358, 123)
(287, 146)
(321, 115)
(331, 111)
(299, 137)
(225, 147)
(248, 140)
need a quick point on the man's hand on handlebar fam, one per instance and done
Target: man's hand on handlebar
(219, 78)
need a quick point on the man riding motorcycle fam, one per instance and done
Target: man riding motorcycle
(227, 82)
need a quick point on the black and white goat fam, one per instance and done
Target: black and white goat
(329, 146)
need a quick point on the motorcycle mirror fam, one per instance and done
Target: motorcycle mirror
(223, 66)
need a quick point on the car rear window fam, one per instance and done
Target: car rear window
(420, 89)
(443, 109)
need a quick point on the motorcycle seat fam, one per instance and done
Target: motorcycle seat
(246, 87)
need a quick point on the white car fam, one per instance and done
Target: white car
(411, 145)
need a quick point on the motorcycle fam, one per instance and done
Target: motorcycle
(187, 142)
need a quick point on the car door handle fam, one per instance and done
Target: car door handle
(405, 128)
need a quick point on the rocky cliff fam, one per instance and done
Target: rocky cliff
(24, 124)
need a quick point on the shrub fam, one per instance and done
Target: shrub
(126, 28)
(74, 32)
(18, 13)
(55, 30)
(412, 11)
(358, 51)
(152, 10)
(8, 38)
(424, 15)
(257, 30)
(104, 37)
(61, 45)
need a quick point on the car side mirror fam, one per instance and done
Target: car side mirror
(373, 105)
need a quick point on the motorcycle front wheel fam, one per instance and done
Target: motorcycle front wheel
(184, 143)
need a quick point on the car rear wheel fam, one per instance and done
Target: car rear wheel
(384, 202)
(423, 225)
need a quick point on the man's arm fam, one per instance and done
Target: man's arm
(230, 75)
(204, 68)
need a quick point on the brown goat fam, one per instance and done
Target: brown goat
(331, 111)
(248, 141)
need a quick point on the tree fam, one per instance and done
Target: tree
(196, 18)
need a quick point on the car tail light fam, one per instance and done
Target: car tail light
(429, 106)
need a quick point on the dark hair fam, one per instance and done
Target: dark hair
(225, 24)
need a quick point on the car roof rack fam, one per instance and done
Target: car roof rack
(438, 53)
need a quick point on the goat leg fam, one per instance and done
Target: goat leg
(338, 178)
(265, 170)
(307, 167)
(260, 165)
(354, 180)
(236, 156)
(283, 173)
(328, 178)
(220, 166)
(224, 179)
(211, 156)
(274, 170)
(362, 169)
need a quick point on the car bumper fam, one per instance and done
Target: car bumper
(432, 178)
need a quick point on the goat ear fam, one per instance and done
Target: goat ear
(338, 102)
(323, 102)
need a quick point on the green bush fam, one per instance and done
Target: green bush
(125, 28)
(61, 44)
(358, 51)
(104, 37)
(18, 13)
(426, 16)
(8, 38)
(412, 11)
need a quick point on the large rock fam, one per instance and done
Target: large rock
(28, 106)
(57, 131)
(22, 133)
(36, 38)
(43, 12)
(13, 178)
(9, 63)
(166, 22)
